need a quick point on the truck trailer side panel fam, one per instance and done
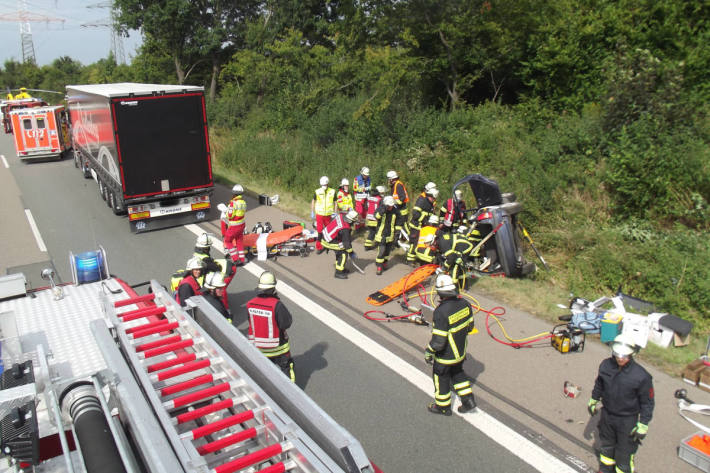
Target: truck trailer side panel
(162, 143)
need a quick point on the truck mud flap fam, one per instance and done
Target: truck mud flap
(156, 223)
(507, 248)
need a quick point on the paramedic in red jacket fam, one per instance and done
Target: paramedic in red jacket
(190, 286)
(268, 321)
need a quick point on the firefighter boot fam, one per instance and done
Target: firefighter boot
(435, 409)
(468, 403)
(341, 274)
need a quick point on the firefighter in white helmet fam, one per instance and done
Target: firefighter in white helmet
(337, 237)
(625, 389)
(446, 351)
(388, 218)
(268, 321)
(224, 266)
(236, 221)
(190, 285)
(424, 207)
(214, 291)
(322, 209)
(453, 210)
(399, 194)
(343, 197)
(361, 191)
(373, 203)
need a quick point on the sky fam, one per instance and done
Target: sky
(53, 39)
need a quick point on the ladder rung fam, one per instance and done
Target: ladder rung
(140, 313)
(134, 300)
(227, 441)
(197, 396)
(159, 343)
(218, 425)
(191, 383)
(203, 411)
(279, 467)
(137, 331)
(167, 348)
(250, 459)
(186, 368)
(181, 358)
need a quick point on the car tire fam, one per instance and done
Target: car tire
(509, 256)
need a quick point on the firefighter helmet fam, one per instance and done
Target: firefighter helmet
(237, 189)
(429, 186)
(345, 182)
(380, 189)
(434, 193)
(195, 263)
(267, 281)
(365, 171)
(392, 174)
(458, 193)
(433, 220)
(214, 280)
(445, 286)
(204, 241)
(351, 216)
(463, 229)
(623, 346)
(324, 181)
(388, 201)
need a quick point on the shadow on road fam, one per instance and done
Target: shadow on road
(310, 362)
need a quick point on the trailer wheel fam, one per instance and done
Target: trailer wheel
(102, 189)
(117, 205)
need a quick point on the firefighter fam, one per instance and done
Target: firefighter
(224, 266)
(626, 391)
(236, 221)
(446, 351)
(361, 190)
(336, 237)
(322, 209)
(454, 248)
(268, 321)
(424, 207)
(454, 210)
(343, 197)
(373, 202)
(388, 217)
(425, 250)
(191, 285)
(23, 94)
(214, 291)
(399, 193)
(9, 96)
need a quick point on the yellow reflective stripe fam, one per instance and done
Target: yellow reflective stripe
(464, 392)
(444, 397)
(462, 385)
(461, 326)
(280, 350)
(442, 333)
(458, 316)
(606, 460)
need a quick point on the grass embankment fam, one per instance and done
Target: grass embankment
(556, 174)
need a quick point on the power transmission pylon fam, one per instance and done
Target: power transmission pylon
(24, 17)
(116, 40)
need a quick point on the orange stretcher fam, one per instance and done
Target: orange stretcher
(403, 285)
(273, 238)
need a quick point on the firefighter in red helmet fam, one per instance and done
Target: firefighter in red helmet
(268, 321)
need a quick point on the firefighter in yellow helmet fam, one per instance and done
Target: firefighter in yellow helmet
(268, 321)
(446, 351)
(23, 94)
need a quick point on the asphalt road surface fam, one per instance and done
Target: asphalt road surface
(368, 376)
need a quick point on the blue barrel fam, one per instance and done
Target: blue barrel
(89, 267)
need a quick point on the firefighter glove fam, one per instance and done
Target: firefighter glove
(639, 432)
(592, 406)
(429, 356)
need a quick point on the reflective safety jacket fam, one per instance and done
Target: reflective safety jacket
(325, 201)
(453, 319)
(345, 200)
(422, 210)
(388, 224)
(361, 186)
(399, 193)
(236, 211)
(625, 391)
(181, 274)
(211, 266)
(187, 288)
(453, 211)
(373, 202)
(336, 235)
(453, 246)
(268, 321)
(427, 237)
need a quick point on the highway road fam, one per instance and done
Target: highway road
(368, 376)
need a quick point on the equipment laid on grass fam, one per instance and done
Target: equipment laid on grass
(147, 147)
(147, 386)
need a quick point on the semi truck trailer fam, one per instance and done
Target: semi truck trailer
(147, 147)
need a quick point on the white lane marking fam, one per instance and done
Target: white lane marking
(4, 161)
(35, 230)
(520, 446)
